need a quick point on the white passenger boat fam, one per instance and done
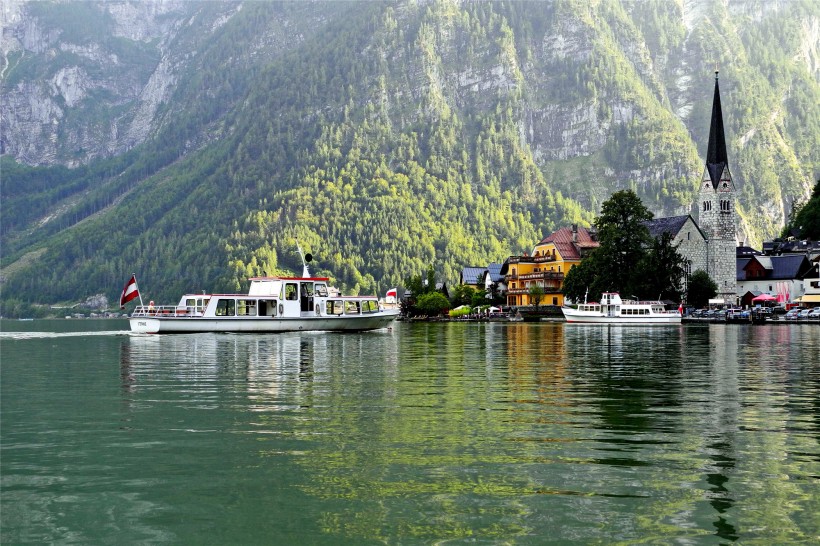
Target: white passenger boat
(273, 304)
(613, 310)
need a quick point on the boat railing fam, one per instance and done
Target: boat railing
(160, 310)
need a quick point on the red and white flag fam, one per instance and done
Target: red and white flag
(392, 293)
(129, 291)
(680, 309)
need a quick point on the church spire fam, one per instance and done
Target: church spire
(716, 159)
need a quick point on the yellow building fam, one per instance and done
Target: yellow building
(551, 258)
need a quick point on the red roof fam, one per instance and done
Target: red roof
(562, 240)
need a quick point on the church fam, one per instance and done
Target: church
(710, 243)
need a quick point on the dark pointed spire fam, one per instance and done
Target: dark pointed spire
(716, 159)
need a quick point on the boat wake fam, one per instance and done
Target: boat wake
(44, 335)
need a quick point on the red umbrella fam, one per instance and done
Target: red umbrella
(762, 298)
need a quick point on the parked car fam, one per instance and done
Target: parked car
(791, 314)
(804, 313)
(814, 313)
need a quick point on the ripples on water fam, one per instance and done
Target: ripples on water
(445, 433)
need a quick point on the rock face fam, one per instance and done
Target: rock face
(83, 80)
(69, 98)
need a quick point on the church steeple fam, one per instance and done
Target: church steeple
(716, 158)
(718, 216)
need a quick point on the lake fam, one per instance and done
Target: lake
(450, 433)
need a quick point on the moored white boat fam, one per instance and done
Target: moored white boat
(273, 304)
(613, 310)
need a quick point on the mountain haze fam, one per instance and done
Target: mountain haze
(192, 142)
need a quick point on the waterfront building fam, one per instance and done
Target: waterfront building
(545, 268)
(782, 277)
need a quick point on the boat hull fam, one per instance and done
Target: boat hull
(183, 325)
(575, 317)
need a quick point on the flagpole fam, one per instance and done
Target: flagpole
(138, 289)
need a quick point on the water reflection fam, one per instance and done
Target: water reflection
(506, 431)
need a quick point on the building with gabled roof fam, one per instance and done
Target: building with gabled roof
(472, 275)
(689, 239)
(546, 267)
(780, 276)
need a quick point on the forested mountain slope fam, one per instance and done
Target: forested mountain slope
(385, 136)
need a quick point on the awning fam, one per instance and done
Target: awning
(808, 298)
(763, 297)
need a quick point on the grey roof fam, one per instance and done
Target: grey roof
(766, 262)
(671, 225)
(741, 268)
(786, 267)
(790, 266)
(746, 251)
(472, 275)
(494, 270)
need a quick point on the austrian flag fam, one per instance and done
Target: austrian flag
(129, 291)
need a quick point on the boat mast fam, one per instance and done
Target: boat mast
(305, 259)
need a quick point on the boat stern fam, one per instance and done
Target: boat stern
(144, 325)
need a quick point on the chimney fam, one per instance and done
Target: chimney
(574, 233)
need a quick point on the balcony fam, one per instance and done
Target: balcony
(531, 259)
(550, 281)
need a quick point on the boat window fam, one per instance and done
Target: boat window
(307, 289)
(321, 290)
(370, 306)
(352, 307)
(225, 308)
(335, 307)
(190, 302)
(246, 308)
(291, 292)
(267, 308)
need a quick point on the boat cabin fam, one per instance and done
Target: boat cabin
(285, 297)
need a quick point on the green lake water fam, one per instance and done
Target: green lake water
(454, 433)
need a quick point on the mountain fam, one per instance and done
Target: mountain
(192, 142)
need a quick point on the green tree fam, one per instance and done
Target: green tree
(463, 294)
(701, 289)
(579, 279)
(624, 239)
(536, 294)
(662, 270)
(626, 248)
(432, 304)
(480, 297)
(806, 217)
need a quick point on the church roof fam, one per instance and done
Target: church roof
(671, 225)
(716, 157)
